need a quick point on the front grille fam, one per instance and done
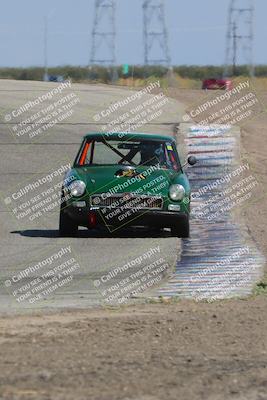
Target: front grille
(126, 201)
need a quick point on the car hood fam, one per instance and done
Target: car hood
(101, 179)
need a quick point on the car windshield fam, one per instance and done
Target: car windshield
(116, 152)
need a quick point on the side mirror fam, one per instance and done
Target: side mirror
(192, 160)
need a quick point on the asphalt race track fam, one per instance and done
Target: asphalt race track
(24, 159)
(97, 263)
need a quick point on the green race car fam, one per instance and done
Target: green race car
(126, 179)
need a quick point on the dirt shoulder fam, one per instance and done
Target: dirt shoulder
(157, 351)
(194, 351)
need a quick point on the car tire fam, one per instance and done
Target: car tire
(182, 230)
(67, 227)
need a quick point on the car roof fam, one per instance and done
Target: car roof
(130, 136)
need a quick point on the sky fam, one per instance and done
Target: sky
(196, 30)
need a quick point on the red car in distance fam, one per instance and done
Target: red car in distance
(215, 84)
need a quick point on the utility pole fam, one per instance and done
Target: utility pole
(239, 37)
(235, 37)
(104, 34)
(155, 33)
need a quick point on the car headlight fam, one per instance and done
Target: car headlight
(176, 192)
(77, 188)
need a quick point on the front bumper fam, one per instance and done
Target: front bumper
(154, 218)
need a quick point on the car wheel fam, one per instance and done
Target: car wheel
(67, 227)
(182, 230)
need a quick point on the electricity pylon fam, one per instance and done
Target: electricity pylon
(239, 47)
(155, 33)
(104, 33)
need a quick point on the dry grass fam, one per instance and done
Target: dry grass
(176, 81)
